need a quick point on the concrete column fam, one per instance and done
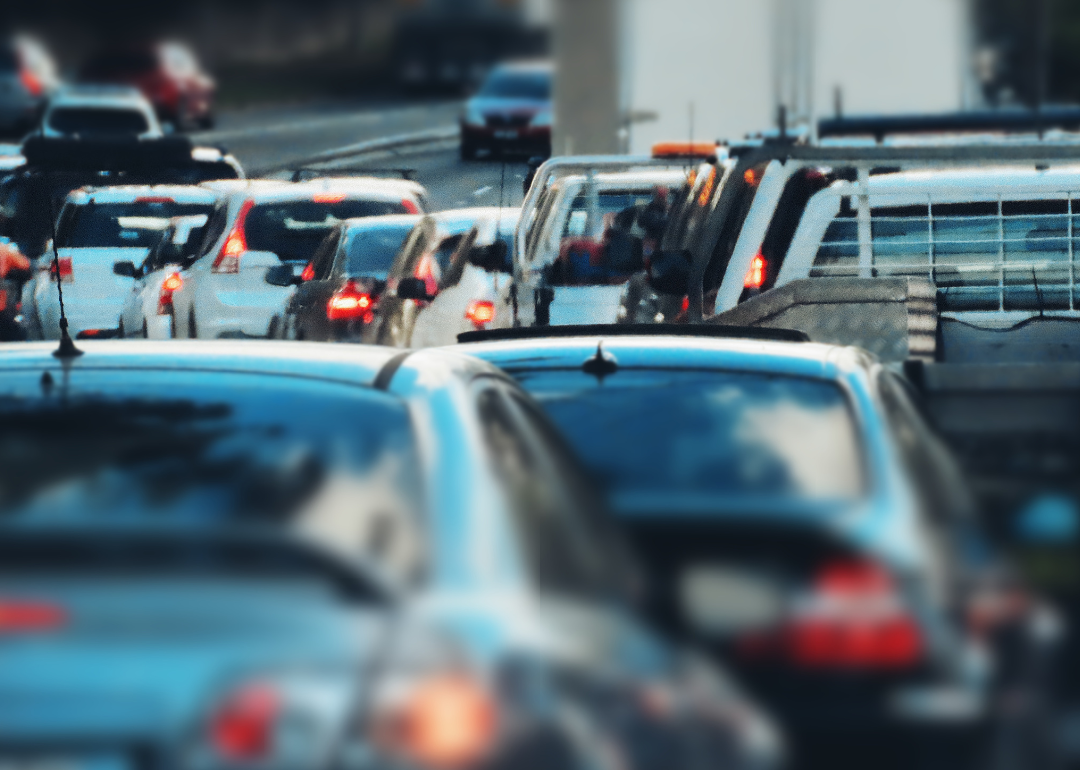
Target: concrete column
(586, 49)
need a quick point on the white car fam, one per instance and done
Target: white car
(97, 232)
(262, 224)
(82, 112)
(148, 311)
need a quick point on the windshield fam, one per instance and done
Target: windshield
(372, 251)
(294, 230)
(725, 437)
(518, 85)
(90, 120)
(121, 225)
(152, 449)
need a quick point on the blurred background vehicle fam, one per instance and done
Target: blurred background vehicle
(338, 296)
(89, 112)
(148, 310)
(262, 225)
(168, 74)
(282, 571)
(512, 112)
(801, 521)
(28, 77)
(101, 233)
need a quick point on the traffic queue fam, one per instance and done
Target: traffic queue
(645, 474)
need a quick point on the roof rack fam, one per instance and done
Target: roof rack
(1007, 121)
(636, 330)
(107, 154)
(306, 173)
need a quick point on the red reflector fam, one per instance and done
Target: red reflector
(755, 276)
(18, 616)
(329, 197)
(155, 199)
(243, 728)
(480, 312)
(349, 303)
(90, 333)
(410, 206)
(309, 272)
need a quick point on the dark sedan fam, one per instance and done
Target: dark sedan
(512, 112)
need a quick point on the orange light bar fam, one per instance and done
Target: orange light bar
(684, 150)
(329, 197)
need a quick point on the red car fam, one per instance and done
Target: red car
(168, 74)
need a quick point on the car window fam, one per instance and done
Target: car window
(371, 251)
(214, 229)
(520, 85)
(727, 438)
(177, 244)
(294, 229)
(323, 259)
(123, 225)
(88, 120)
(559, 555)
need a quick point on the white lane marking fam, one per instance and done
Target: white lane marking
(483, 190)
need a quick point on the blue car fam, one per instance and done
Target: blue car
(274, 555)
(800, 521)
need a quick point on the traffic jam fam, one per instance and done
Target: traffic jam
(756, 453)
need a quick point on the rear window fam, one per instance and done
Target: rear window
(82, 120)
(372, 251)
(211, 450)
(724, 438)
(121, 225)
(518, 85)
(294, 230)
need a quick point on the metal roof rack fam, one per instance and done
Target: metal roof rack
(306, 173)
(636, 330)
(1006, 121)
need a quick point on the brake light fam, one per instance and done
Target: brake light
(707, 189)
(172, 283)
(480, 313)
(155, 199)
(349, 303)
(66, 273)
(228, 261)
(329, 197)
(23, 617)
(31, 82)
(755, 276)
(425, 271)
(243, 727)
(751, 177)
(410, 206)
(445, 722)
(309, 272)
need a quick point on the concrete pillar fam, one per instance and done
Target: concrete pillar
(586, 49)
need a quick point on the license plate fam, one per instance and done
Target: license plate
(64, 762)
(506, 134)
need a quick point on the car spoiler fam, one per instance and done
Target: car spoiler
(635, 330)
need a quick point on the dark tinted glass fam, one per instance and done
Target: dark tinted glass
(295, 229)
(118, 63)
(123, 225)
(81, 120)
(372, 251)
(726, 437)
(9, 62)
(519, 85)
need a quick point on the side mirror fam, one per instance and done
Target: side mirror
(125, 269)
(492, 258)
(669, 272)
(535, 163)
(18, 274)
(413, 288)
(284, 275)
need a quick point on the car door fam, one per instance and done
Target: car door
(393, 317)
(309, 301)
(136, 305)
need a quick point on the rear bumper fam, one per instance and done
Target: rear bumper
(508, 138)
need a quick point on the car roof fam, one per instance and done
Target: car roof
(643, 178)
(1013, 178)
(130, 193)
(112, 97)
(273, 190)
(539, 66)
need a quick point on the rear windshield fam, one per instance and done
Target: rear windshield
(213, 450)
(295, 229)
(372, 252)
(122, 225)
(727, 438)
(84, 120)
(518, 85)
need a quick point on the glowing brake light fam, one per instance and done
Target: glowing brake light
(67, 275)
(309, 272)
(172, 283)
(24, 617)
(755, 276)
(244, 725)
(480, 313)
(228, 260)
(155, 199)
(31, 83)
(328, 197)
(350, 303)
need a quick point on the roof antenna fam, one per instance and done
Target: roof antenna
(600, 365)
(67, 348)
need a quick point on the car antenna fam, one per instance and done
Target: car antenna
(67, 348)
(600, 365)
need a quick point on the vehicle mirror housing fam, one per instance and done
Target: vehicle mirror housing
(283, 275)
(669, 272)
(125, 269)
(413, 288)
(492, 258)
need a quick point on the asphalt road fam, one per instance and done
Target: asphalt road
(270, 138)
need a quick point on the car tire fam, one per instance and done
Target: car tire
(273, 331)
(120, 332)
(145, 330)
(192, 332)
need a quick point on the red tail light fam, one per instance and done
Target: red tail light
(66, 273)
(155, 199)
(410, 206)
(25, 617)
(31, 83)
(350, 303)
(309, 272)
(3, 300)
(426, 272)
(228, 261)
(328, 197)
(480, 313)
(755, 276)
(172, 283)
(243, 727)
